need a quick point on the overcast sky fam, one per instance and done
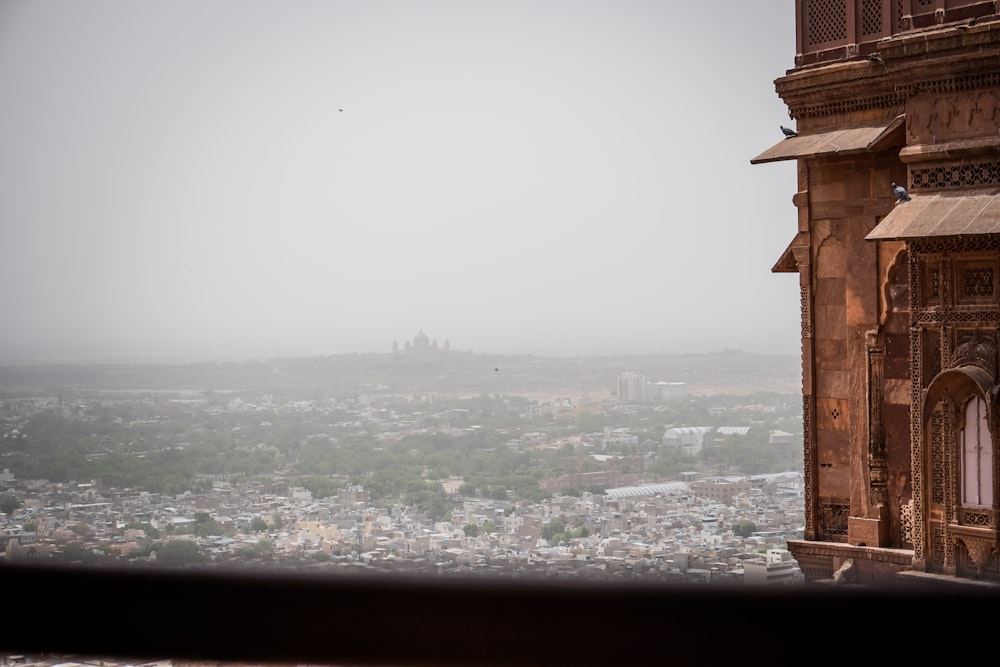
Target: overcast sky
(191, 180)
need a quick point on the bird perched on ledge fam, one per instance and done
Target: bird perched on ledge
(789, 132)
(901, 193)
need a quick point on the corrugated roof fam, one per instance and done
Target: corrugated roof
(946, 213)
(776, 477)
(686, 430)
(647, 490)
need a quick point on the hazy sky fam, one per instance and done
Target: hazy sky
(252, 179)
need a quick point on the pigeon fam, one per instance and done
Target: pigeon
(789, 132)
(901, 193)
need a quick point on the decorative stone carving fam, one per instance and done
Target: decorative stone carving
(878, 473)
(919, 113)
(980, 543)
(906, 523)
(935, 119)
(943, 113)
(978, 349)
(808, 466)
(984, 114)
(946, 175)
(805, 315)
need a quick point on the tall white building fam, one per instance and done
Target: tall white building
(631, 387)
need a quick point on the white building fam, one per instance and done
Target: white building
(689, 439)
(631, 387)
(662, 392)
(778, 567)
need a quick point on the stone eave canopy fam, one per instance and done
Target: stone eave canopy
(963, 212)
(843, 141)
(787, 263)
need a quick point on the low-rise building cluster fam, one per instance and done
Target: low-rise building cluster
(678, 532)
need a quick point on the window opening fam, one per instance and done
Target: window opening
(977, 456)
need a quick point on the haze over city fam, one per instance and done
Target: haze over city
(252, 179)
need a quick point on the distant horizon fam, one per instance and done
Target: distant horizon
(174, 358)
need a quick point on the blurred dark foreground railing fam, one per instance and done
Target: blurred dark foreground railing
(401, 620)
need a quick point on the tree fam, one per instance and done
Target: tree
(322, 487)
(8, 503)
(205, 525)
(554, 527)
(82, 529)
(151, 532)
(744, 528)
(471, 530)
(255, 551)
(179, 552)
(74, 552)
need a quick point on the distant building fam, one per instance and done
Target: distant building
(631, 387)
(584, 480)
(721, 489)
(777, 567)
(692, 439)
(783, 438)
(352, 495)
(421, 345)
(663, 392)
(615, 437)
(688, 439)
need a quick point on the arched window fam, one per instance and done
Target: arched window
(977, 456)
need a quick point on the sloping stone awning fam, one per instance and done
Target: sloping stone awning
(944, 213)
(788, 263)
(835, 142)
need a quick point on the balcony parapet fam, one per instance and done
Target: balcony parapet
(829, 30)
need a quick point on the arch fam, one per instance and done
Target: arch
(831, 258)
(959, 480)
(960, 383)
(891, 278)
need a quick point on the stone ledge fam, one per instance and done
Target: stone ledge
(929, 579)
(843, 550)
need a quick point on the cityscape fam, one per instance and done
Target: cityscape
(610, 486)
(213, 450)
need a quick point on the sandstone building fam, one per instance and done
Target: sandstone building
(899, 298)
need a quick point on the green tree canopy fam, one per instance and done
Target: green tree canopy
(179, 552)
(8, 503)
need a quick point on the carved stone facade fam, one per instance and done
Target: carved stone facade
(900, 300)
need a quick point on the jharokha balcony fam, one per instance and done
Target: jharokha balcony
(828, 30)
